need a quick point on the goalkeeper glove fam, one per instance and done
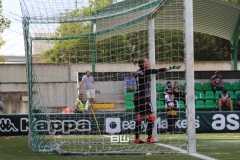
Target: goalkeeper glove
(175, 67)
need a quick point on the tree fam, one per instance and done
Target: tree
(75, 49)
(4, 23)
(124, 48)
(2, 59)
(211, 48)
(236, 2)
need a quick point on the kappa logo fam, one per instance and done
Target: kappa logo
(6, 125)
(65, 126)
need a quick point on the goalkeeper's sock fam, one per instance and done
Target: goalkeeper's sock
(137, 129)
(150, 128)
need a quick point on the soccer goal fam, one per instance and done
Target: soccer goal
(66, 38)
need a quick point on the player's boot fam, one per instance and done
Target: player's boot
(138, 141)
(151, 140)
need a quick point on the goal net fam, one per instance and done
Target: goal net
(66, 38)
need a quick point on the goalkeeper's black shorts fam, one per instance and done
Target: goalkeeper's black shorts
(143, 105)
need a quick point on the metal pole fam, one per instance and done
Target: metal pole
(232, 63)
(93, 43)
(32, 142)
(69, 69)
(235, 57)
(190, 97)
(151, 41)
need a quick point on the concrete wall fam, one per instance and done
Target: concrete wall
(14, 102)
(55, 96)
(59, 72)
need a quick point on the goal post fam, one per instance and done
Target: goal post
(190, 98)
(151, 40)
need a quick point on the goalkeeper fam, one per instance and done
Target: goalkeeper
(142, 101)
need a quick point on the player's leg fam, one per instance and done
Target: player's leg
(174, 122)
(170, 123)
(151, 118)
(125, 90)
(2, 106)
(137, 104)
(229, 103)
(222, 87)
(88, 102)
(220, 105)
(138, 129)
(88, 94)
(214, 88)
(150, 126)
(134, 89)
(92, 96)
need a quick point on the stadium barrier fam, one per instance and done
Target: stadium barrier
(84, 124)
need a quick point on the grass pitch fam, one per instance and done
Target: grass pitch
(102, 144)
(219, 146)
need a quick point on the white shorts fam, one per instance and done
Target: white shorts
(90, 93)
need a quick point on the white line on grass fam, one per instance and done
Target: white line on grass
(180, 150)
(171, 147)
(202, 156)
(184, 151)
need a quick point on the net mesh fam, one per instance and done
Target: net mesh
(66, 38)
